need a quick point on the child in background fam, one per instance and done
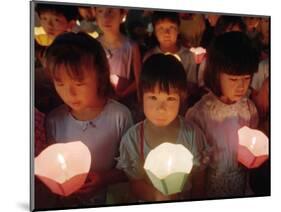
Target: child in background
(166, 29)
(123, 54)
(55, 20)
(231, 63)
(191, 28)
(228, 23)
(79, 69)
(162, 90)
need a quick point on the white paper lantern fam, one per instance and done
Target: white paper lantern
(253, 147)
(168, 166)
(63, 167)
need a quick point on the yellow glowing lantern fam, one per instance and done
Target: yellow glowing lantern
(63, 167)
(199, 53)
(168, 166)
(253, 147)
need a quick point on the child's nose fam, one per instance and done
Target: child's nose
(50, 22)
(242, 83)
(108, 13)
(71, 91)
(161, 106)
(167, 31)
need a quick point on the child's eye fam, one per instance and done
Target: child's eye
(233, 79)
(43, 18)
(152, 97)
(79, 84)
(171, 98)
(173, 28)
(57, 83)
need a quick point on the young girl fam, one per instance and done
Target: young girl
(123, 55)
(231, 63)
(79, 69)
(162, 89)
(166, 29)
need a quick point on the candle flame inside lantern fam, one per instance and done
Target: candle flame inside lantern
(254, 140)
(62, 161)
(169, 163)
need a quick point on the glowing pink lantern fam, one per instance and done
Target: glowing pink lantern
(199, 53)
(253, 147)
(63, 167)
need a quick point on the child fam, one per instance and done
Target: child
(227, 23)
(123, 55)
(231, 63)
(79, 69)
(162, 89)
(55, 19)
(166, 29)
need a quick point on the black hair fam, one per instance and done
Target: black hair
(78, 52)
(231, 53)
(163, 15)
(69, 12)
(166, 71)
(225, 22)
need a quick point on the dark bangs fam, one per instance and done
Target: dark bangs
(234, 54)
(68, 57)
(77, 53)
(231, 53)
(165, 71)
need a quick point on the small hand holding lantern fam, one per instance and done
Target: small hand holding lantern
(63, 167)
(168, 166)
(199, 53)
(253, 147)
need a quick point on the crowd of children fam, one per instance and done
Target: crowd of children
(124, 86)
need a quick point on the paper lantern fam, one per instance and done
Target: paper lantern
(199, 53)
(63, 167)
(114, 79)
(168, 166)
(253, 147)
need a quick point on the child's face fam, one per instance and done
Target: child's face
(108, 19)
(54, 24)
(77, 94)
(233, 28)
(234, 87)
(213, 19)
(166, 32)
(161, 108)
(251, 22)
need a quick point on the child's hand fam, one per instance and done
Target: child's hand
(93, 183)
(158, 196)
